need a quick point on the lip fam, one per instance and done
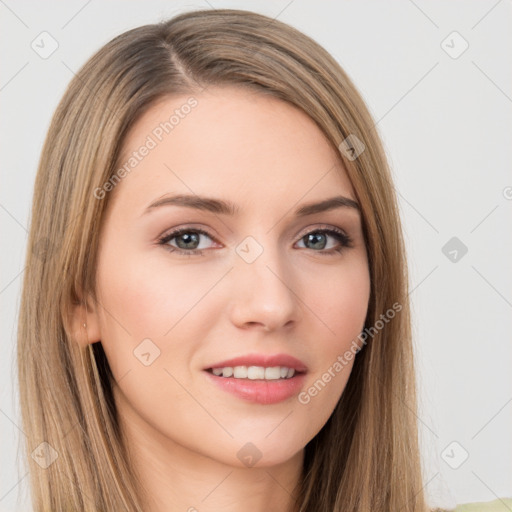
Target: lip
(261, 391)
(264, 392)
(265, 360)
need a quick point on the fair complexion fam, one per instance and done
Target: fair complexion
(299, 297)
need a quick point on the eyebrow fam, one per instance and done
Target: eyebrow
(219, 206)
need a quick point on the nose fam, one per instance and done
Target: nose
(264, 293)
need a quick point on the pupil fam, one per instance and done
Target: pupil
(189, 239)
(315, 237)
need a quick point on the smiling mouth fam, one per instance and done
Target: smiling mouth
(264, 385)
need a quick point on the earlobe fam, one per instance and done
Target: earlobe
(85, 325)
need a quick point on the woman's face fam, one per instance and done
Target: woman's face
(255, 280)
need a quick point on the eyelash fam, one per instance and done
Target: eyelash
(340, 236)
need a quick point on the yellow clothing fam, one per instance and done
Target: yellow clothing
(500, 505)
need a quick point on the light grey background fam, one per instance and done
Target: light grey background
(446, 125)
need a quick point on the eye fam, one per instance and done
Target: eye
(187, 241)
(318, 241)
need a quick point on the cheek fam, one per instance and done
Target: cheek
(149, 298)
(339, 300)
(151, 326)
(154, 320)
(341, 306)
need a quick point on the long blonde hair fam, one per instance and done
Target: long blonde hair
(366, 457)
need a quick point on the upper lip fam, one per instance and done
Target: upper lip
(265, 360)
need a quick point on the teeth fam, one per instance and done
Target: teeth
(273, 373)
(255, 372)
(240, 372)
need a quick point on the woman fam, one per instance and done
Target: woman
(215, 312)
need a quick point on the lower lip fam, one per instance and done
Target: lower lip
(260, 391)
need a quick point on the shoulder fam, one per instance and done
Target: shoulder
(499, 505)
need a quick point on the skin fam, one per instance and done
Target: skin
(181, 431)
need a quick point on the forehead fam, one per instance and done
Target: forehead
(232, 141)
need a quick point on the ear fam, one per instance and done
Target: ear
(85, 322)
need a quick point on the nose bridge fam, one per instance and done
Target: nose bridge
(262, 284)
